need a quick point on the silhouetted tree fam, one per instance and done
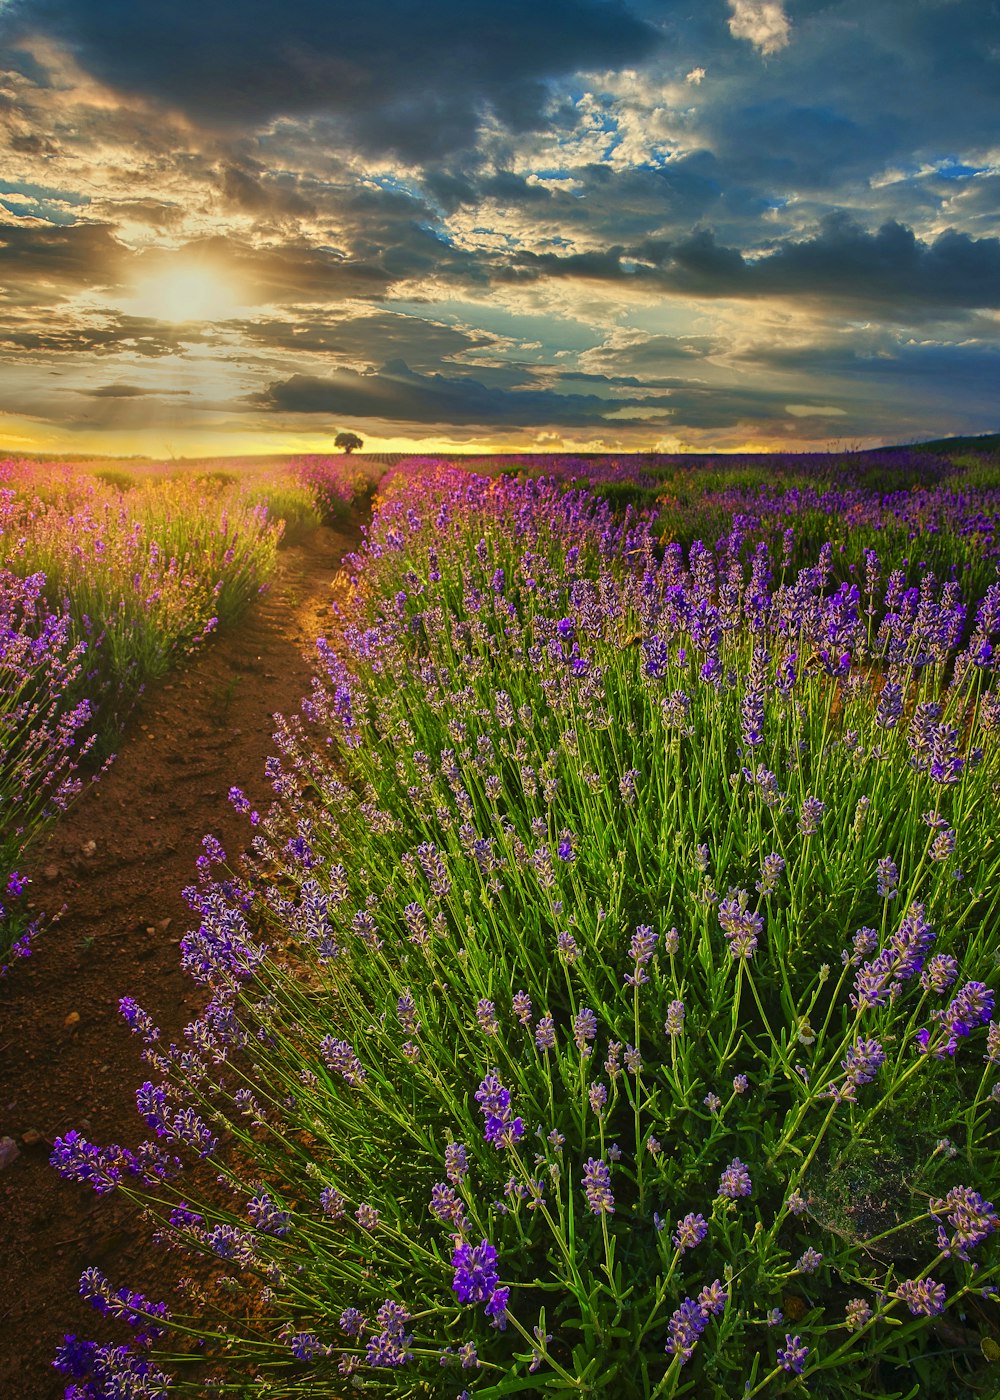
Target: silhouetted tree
(348, 442)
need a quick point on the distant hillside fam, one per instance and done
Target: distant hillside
(986, 442)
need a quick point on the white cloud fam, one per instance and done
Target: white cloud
(763, 22)
(695, 76)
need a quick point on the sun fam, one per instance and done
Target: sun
(184, 292)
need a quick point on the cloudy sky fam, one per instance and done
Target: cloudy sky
(624, 224)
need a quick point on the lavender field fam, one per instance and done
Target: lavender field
(606, 1004)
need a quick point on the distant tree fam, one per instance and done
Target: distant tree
(348, 442)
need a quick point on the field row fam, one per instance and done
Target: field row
(106, 579)
(606, 1004)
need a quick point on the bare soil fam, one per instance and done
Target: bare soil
(116, 865)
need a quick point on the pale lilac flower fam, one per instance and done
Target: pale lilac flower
(735, 1181)
(923, 1297)
(674, 1024)
(691, 1230)
(597, 1186)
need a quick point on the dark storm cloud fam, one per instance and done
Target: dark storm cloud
(967, 371)
(131, 335)
(248, 186)
(397, 394)
(128, 391)
(371, 340)
(891, 271)
(45, 263)
(414, 78)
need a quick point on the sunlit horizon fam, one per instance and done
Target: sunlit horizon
(614, 227)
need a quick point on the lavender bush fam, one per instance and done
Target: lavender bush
(43, 737)
(608, 1005)
(336, 484)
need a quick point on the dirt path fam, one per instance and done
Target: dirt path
(118, 861)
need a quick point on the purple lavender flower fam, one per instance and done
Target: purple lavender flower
(887, 878)
(584, 1030)
(811, 815)
(566, 944)
(113, 1371)
(684, 1329)
(901, 958)
(367, 1217)
(266, 1216)
(486, 1016)
(521, 1006)
(502, 1129)
(390, 1347)
(598, 1096)
(416, 925)
(741, 925)
(434, 868)
(713, 1298)
(972, 1219)
(545, 1033)
(641, 950)
(691, 1230)
(674, 1024)
(971, 1007)
(863, 1061)
(406, 1011)
(496, 1308)
(340, 1057)
(352, 1322)
(597, 1186)
(475, 1271)
(940, 973)
(923, 1297)
(735, 1181)
(809, 1261)
(792, 1356)
(183, 1218)
(332, 1203)
(943, 845)
(306, 1346)
(771, 870)
(447, 1207)
(857, 1315)
(889, 709)
(138, 1021)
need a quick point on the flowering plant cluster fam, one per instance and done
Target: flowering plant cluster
(937, 517)
(43, 737)
(607, 1006)
(336, 483)
(142, 573)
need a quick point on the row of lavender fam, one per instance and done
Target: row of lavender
(105, 579)
(920, 511)
(607, 1007)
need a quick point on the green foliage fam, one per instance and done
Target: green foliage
(552, 898)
